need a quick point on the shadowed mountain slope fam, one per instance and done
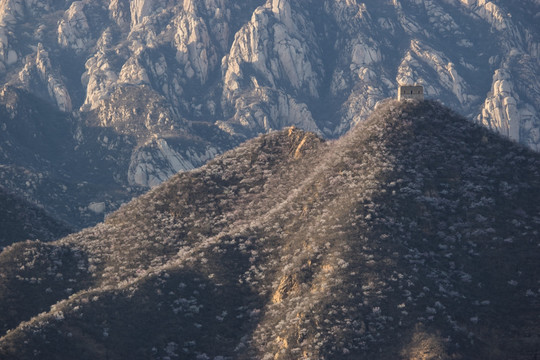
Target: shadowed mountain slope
(45, 158)
(413, 236)
(20, 220)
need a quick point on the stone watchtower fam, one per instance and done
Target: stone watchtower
(410, 92)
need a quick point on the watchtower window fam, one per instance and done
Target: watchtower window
(410, 92)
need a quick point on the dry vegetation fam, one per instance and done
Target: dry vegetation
(415, 236)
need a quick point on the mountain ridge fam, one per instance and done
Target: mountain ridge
(175, 84)
(410, 235)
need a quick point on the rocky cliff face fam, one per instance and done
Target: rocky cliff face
(200, 76)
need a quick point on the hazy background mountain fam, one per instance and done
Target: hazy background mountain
(414, 236)
(151, 87)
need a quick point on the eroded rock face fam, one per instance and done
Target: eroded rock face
(511, 107)
(73, 30)
(273, 63)
(157, 161)
(261, 65)
(243, 68)
(39, 76)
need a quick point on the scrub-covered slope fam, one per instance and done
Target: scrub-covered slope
(415, 235)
